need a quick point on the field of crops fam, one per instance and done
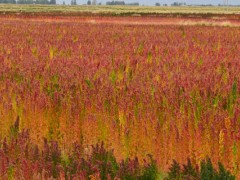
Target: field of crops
(170, 91)
(120, 10)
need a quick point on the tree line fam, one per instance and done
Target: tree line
(27, 1)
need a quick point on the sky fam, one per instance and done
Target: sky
(152, 2)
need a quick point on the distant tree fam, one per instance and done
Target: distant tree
(64, 3)
(133, 4)
(7, 2)
(157, 4)
(42, 2)
(115, 3)
(89, 2)
(73, 2)
(46, 2)
(175, 4)
(178, 4)
(52, 1)
(28, 1)
(20, 1)
(94, 2)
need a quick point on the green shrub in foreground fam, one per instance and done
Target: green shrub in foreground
(191, 172)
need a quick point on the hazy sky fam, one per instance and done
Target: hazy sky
(152, 2)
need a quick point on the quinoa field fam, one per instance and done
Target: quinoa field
(148, 88)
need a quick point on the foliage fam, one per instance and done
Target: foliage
(207, 171)
(171, 91)
(22, 159)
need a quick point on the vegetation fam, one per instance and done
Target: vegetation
(152, 93)
(20, 159)
(51, 2)
(121, 10)
(205, 172)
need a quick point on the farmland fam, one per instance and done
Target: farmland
(120, 10)
(141, 85)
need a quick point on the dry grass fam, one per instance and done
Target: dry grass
(118, 10)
